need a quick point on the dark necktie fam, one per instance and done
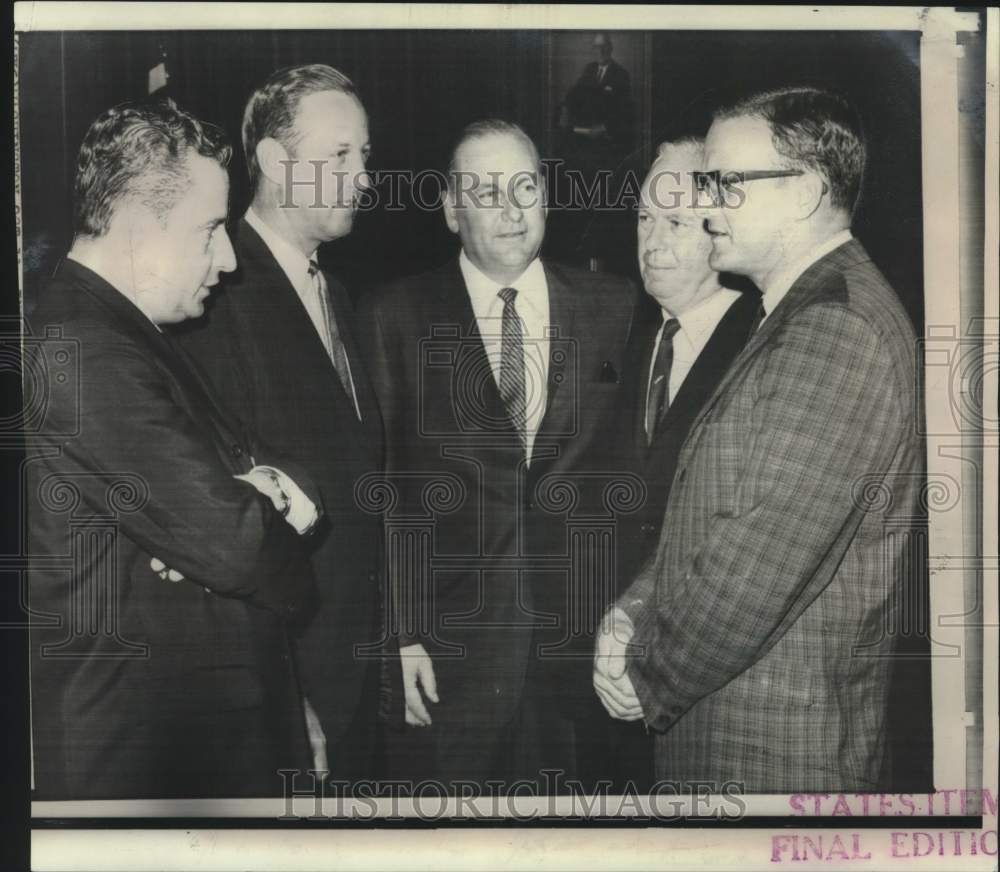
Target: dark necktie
(657, 399)
(332, 341)
(512, 389)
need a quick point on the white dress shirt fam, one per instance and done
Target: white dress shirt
(532, 305)
(696, 327)
(782, 283)
(295, 265)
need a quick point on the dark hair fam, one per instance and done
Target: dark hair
(140, 151)
(491, 127)
(815, 130)
(271, 109)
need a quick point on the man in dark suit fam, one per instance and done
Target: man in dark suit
(280, 349)
(762, 652)
(498, 377)
(598, 104)
(160, 577)
(676, 358)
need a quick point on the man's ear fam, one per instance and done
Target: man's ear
(135, 218)
(543, 193)
(811, 189)
(448, 207)
(270, 154)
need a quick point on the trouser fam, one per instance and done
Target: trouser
(540, 749)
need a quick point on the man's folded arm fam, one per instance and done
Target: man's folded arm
(197, 519)
(827, 413)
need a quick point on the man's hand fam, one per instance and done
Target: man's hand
(611, 681)
(160, 568)
(317, 741)
(285, 495)
(418, 672)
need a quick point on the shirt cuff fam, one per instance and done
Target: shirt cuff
(302, 512)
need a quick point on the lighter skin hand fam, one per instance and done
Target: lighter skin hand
(160, 568)
(611, 681)
(418, 673)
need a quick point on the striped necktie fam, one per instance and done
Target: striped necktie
(658, 397)
(512, 386)
(331, 340)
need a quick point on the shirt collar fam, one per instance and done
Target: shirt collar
(532, 288)
(698, 322)
(293, 262)
(782, 283)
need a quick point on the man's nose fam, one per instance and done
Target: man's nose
(659, 236)
(704, 200)
(361, 179)
(225, 256)
(512, 210)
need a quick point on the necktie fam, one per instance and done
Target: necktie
(331, 339)
(512, 390)
(600, 73)
(657, 399)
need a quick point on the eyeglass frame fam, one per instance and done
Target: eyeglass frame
(733, 177)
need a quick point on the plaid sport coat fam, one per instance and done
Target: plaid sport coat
(763, 620)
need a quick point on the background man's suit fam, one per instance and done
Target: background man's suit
(765, 610)
(445, 420)
(269, 365)
(594, 100)
(211, 707)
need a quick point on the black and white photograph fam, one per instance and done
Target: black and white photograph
(446, 425)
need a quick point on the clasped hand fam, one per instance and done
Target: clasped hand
(611, 681)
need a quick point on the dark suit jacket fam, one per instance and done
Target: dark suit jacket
(656, 462)
(489, 569)
(789, 532)
(591, 102)
(142, 687)
(269, 365)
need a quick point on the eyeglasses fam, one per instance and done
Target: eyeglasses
(711, 182)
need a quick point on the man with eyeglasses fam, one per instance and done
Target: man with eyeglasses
(757, 642)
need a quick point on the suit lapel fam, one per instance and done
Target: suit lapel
(289, 309)
(562, 316)
(197, 385)
(455, 307)
(343, 313)
(727, 340)
(806, 288)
